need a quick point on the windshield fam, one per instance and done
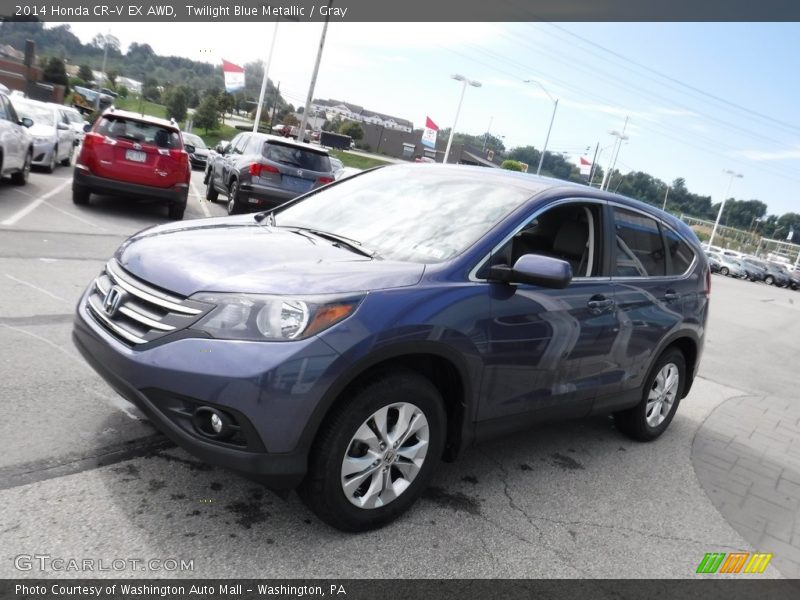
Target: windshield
(194, 140)
(409, 213)
(41, 115)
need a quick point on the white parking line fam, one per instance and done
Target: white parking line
(34, 205)
(76, 217)
(201, 199)
(35, 287)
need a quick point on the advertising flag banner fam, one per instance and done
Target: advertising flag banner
(429, 134)
(234, 76)
(586, 166)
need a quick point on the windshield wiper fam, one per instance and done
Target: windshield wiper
(341, 241)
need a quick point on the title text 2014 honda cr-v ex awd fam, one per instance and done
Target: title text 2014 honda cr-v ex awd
(348, 340)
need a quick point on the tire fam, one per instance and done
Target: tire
(233, 206)
(769, 280)
(68, 160)
(641, 422)
(52, 165)
(21, 177)
(80, 194)
(724, 271)
(211, 192)
(337, 447)
(176, 211)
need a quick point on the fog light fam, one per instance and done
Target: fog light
(216, 423)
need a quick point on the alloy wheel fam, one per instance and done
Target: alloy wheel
(385, 455)
(662, 395)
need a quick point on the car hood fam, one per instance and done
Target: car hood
(200, 152)
(236, 254)
(42, 130)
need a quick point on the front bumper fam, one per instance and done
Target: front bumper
(102, 185)
(271, 388)
(42, 151)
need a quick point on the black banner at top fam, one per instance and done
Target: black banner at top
(402, 10)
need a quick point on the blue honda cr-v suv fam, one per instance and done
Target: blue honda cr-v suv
(348, 340)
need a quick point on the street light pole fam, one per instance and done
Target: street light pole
(301, 134)
(464, 81)
(552, 118)
(486, 135)
(612, 158)
(666, 195)
(733, 175)
(265, 78)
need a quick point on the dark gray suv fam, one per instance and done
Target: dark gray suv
(259, 171)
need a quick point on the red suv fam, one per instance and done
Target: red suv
(132, 155)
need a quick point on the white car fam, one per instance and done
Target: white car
(16, 144)
(729, 265)
(75, 120)
(53, 139)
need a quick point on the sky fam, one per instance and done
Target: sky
(701, 98)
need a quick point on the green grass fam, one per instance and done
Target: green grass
(212, 138)
(358, 162)
(133, 104)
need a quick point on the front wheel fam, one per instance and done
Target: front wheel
(376, 452)
(21, 177)
(724, 271)
(660, 398)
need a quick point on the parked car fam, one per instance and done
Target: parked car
(131, 155)
(794, 280)
(347, 341)
(728, 265)
(197, 149)
(86, 100)
(713, 262)
(755, 270)
(75, 120)
(776, 275)
(53, 138)
(259, 171)
(16, 144)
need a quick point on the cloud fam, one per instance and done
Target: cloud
(767, 155)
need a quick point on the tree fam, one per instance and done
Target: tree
(100, 41)
(150, 89)
(176, 104)
(207, 115)
(85, 73)
(353, 129)
(55, 72)
(123, 91)
(290, 119)
(112, 78)
(511, 165)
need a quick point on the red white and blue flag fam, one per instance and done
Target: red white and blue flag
(234, 76)
(586, 166)
(429, 133)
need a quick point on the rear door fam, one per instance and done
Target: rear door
(649, 300)
(139, 152)
(295, 168)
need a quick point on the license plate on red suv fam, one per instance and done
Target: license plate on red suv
(135, 155)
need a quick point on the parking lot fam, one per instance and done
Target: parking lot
(82, 475)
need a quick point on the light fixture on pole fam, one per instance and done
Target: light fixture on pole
(465, 82)
(612, 158)
(552, 118)
(733, 175)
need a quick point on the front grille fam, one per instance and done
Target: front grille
(137, 313)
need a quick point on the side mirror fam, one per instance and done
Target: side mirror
(189, 148)
(26, 122)
(536, 270)
(62, 126)
(220, 148)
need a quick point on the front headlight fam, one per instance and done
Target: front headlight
(274, 318)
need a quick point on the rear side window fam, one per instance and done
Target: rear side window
(639, 246)
(137, 131)
(680, 254)
(296, 157)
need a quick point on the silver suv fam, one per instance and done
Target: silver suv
(258, 171)
(16, 144)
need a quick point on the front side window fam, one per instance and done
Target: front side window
(409, 213)
(639, 246)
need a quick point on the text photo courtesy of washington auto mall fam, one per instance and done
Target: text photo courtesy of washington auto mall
(308, 299)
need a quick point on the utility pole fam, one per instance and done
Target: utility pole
(594, 160)
(301, 134)
(665, 199)
(265, 78)
(274, 106)
(733, 175)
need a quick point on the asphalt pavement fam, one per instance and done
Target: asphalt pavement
(82, 475)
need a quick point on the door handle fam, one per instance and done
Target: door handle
(671, 296)
(598, 303)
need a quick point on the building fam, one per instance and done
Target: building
(353, 112)
(22, 74)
